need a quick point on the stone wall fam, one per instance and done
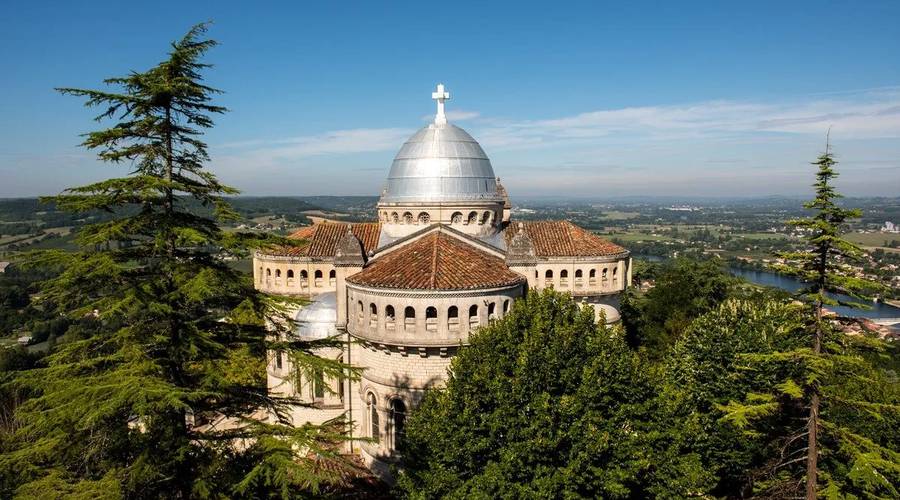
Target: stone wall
(293, 276)
(582, 276)
(328, 401)
(381, 315)
(402, 362)
(472, 218)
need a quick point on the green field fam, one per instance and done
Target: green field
(760, 236)
(617, 215)
(872, 239)
(636, 237)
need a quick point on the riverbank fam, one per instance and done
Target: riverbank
(875, 310)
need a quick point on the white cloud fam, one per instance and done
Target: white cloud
(871, 114)
(286, 152)
(334, 142)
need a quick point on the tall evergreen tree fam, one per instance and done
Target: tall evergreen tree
(159, 399)
(831, 360)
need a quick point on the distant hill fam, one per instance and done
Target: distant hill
(291, 208)
(343, 203)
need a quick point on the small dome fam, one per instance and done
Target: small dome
(316, 320)
(441, 163)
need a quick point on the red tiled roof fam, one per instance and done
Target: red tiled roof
(322, 239)
(560, 238)
(437, 261)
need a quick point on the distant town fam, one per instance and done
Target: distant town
(744, 232)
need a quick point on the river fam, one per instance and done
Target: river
(766, 278)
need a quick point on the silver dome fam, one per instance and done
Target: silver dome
(316, 320)
(441, 163)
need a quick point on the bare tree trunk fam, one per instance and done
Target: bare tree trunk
(812, 450)
(179, 422)
(812, 455)
(170, 198)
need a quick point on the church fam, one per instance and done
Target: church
(406, 291)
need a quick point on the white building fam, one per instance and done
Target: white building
(406, 291)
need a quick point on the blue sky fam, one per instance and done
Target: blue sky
(568, 98)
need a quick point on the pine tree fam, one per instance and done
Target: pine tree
(181, 338)
(822, 266)
(831, 361)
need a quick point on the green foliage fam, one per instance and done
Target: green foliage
(543, 403)
(844, 448)
(167, 338)
(704, 386)
(822, 263)
(683, 290)
(754, 407)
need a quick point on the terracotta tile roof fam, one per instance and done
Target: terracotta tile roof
(437, 261)
(560, 238)
(322, 239)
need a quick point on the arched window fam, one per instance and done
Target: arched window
(453, 319)
(317, 386)
(359, 312)
(592, 277)
(603, 276)
(398, 422)
(474, 321)
(318, 276)
(394, 217)
(505, 306)
(473, 217)
(485, 217)
(563, 278)
(290, 274)
(278, 274)
(456, 218)
(304, 275)
(409, 318)
(548, 275)
(260, 274)
(536, 275)
(424, 218)
(615, 275)
(431, 319)
(407, 218)
(332, 277)
(268, 272)
(373, 316)
(390, 321)
(579, 278)
(492, 310)
(374, 426)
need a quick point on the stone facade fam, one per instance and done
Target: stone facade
(405, 293)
